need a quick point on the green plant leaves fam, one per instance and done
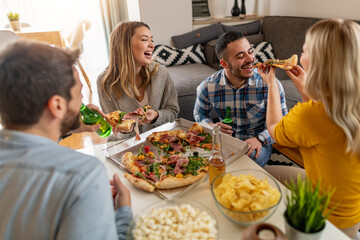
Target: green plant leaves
(306, 205)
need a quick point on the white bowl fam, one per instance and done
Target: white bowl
(145, 227)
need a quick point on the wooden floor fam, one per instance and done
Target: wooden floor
(82, 140)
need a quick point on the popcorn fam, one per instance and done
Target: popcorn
(176, 222)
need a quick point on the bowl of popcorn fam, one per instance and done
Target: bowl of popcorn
(174, 219)
(246, 196)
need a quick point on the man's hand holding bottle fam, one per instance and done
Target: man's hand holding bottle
(224, 128)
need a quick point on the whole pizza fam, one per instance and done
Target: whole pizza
(176, 163)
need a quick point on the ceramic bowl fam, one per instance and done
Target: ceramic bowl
(174, 219)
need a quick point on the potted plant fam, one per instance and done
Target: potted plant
(14, 20)
(306, 211)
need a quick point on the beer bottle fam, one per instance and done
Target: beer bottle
(92, 117)
(216, 160)
(227, 120)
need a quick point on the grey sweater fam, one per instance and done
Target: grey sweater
(163, 98)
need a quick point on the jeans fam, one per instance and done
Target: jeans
(264, 155)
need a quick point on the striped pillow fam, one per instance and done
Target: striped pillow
(170, 56)
(263, 51)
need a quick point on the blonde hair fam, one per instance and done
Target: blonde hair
(121, 72)
(333, 77)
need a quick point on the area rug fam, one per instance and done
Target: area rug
(277, 158)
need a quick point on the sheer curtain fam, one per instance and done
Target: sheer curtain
(112, 12)
(64, 15)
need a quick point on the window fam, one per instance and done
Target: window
(64, 15)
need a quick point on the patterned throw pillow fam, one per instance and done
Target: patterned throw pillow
(170, 56)
(263, 51)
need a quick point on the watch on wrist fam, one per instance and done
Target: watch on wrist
(261, 139)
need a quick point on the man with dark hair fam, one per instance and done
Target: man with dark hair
(48, 191)
(239, 86)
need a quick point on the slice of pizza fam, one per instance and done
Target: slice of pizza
(196, 136)
(127, 122)
(171, 141)
(116, 121)
(149, 172)
(286, 64)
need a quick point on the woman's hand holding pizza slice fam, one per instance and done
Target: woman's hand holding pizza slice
(123, 122)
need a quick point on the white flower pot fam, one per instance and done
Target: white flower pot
(295, 234)
(15, 25)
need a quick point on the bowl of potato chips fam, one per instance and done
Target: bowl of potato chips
(246, 196)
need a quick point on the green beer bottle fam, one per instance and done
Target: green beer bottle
(92, 117)
(227, 120)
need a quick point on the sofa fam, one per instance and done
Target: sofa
(286, 35)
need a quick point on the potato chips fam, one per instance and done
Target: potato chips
(246, 193)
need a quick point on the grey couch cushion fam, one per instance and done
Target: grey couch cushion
(210, 55)
(198, 36)
(186, 79)
(246, 29)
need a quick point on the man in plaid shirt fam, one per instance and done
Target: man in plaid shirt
(241, 87)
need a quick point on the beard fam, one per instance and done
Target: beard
(71, 122)
(236, 72)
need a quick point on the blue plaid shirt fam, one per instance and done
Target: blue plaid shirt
(248, 103)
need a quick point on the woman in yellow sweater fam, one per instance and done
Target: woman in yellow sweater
(326, 127)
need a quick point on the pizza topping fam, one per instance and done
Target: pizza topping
(194, 164)
(176, 147)
(147, 149)
(121, 116)
(173, 159)
(166, 138)
(153, 177)
(193, 137)
(179, 175)
(181, 162)
(137, 174)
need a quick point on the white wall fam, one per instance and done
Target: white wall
(166, 18)
(133, 10)
(172, 17)
(348, 9)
